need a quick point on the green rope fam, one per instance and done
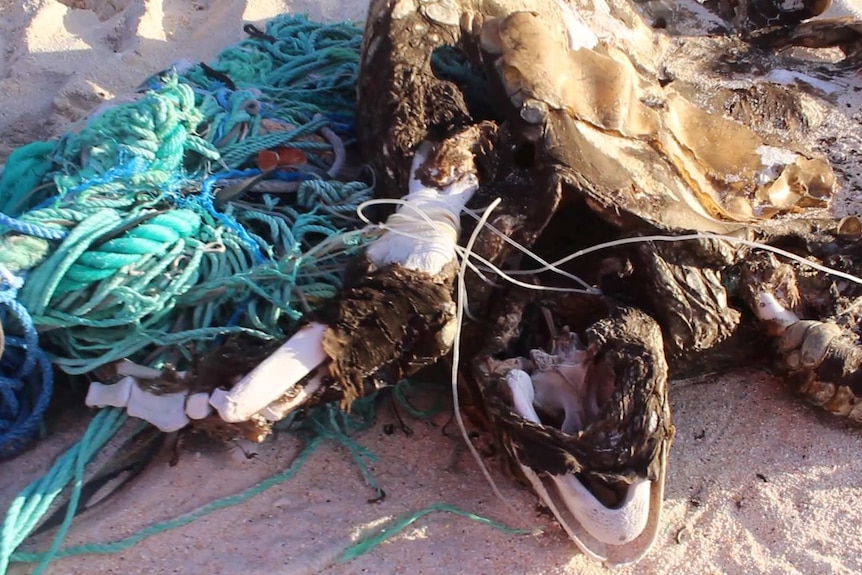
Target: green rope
(31, 504)
(400, 392)
(158, 129)
(161, 527)
(116, 230)
(399, 524)
(20, 253)
(25, 169)
(325, 423)
(330, 422)
(235, 155)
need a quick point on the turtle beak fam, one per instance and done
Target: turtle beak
(615, 535)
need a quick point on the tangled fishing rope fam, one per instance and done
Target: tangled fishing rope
(133, 237)
(123, 239)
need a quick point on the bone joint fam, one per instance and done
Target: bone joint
(423, 233)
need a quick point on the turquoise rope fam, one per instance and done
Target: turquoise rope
(401, 523)
(32, 503)
(156, 528)
(31, 165)
(105, 276)
(325, 422)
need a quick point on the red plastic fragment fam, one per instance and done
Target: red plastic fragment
(267, 160)
(291, 156)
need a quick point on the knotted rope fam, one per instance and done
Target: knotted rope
(116, 241)
(26, 376)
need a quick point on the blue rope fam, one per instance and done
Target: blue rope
(206, 200)
(26, 391)
(29, 229)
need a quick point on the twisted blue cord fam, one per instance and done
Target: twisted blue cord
(206, 200)
(31, 229)
(26, 391)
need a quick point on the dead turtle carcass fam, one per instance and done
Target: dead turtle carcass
(693, 178)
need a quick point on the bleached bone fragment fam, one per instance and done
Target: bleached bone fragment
(137, 371)
(114, 395)
(769, 309)
(523, 394)
(617, 526)
(198, 406)
(417, 243)
(422, 235)
(281, 408)
(562, 389)
(295, 359)
(166, 411)
(614, 526)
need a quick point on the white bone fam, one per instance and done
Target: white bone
(614, 526)
(278, 409)
(412, 241)
(198, 406)
(556, 391)
(768, 309)
(295, 359)
(137, 371)
(167, 411)
(523, 394)
(115, 395)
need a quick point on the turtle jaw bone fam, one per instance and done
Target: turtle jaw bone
(642, 508)
(615, 535)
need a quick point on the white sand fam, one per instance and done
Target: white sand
(759, 483)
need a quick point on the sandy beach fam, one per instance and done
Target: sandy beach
(759, 482)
